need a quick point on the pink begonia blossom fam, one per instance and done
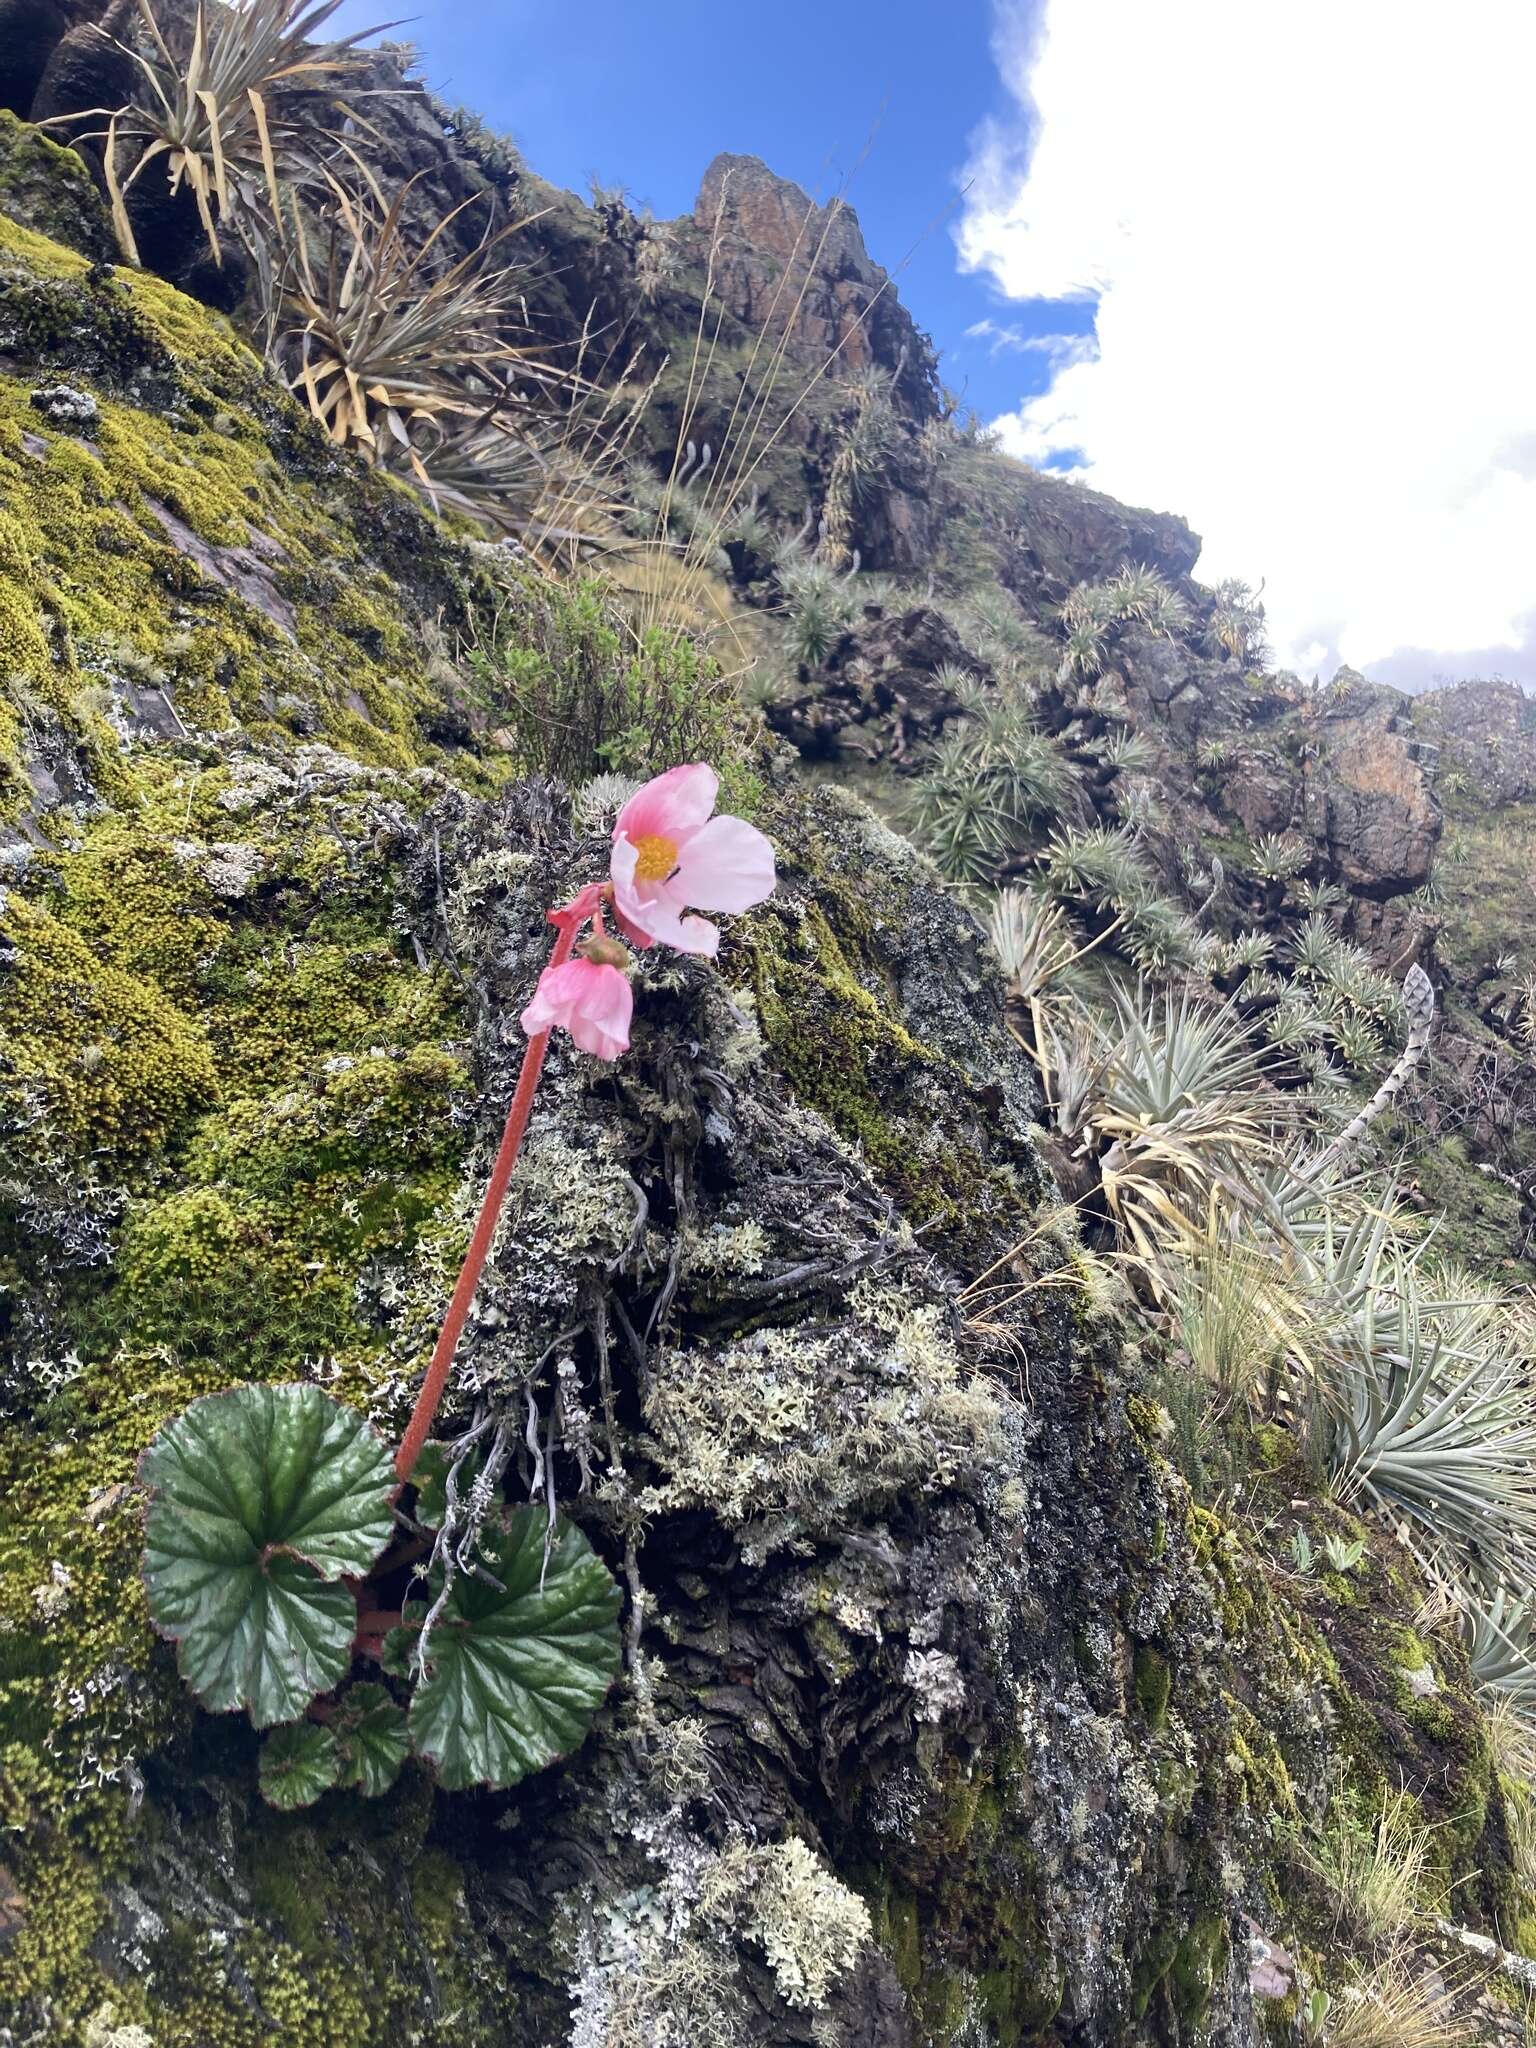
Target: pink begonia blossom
(592, 999)
(670, 855)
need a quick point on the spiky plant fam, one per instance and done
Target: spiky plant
(1525, 997)
(1185, 1113)
(1262, 986)
(1139, 594)
(1027, 764)
(1084, 652)
(1073, 1051)
(1244, 952)
(820, 604)
(1032, 938)
(1351, 979)
(1314, 946)
(1160, 936)
(1295, 1021)
(599, 800)
(544, 480)
(1497, 1629)
(657, 260)
(1278, 856)
(380, 332)
(1424, 1406)
(963, 820)
(960, 683)
(1358, 1042)
(749, 524)
(1237, 622)
(983, 784)
(1125, 752)
(1100, 863)
(1214, 753)
(219, 102)
(1326, 897)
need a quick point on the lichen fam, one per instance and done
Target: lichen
(783, 1432)
(811, 1927)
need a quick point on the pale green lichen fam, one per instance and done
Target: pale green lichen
(784, 1430)
(812, 1928)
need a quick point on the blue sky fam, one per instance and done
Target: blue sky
(1318, 355)
(644, 95)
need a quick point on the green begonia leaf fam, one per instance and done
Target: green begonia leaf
(297, 1764)
(370, 1732)
(514, 1677)
(262, 1499)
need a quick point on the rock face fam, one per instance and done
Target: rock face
(785, 264)
(1372, 808)
(1484, 735)
(907, 1646)
(947, 1719)
(1063, 534)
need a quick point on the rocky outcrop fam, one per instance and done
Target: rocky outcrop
(878, 693)
(1483, 738)
(946, 1718)
(785, 265)
(1062, 534)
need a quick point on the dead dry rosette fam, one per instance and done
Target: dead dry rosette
(671, 858)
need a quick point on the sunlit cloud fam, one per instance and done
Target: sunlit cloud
(1059, 350)
(1302, 232)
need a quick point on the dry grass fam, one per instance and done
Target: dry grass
(1400, 2004)
(1375, 1872)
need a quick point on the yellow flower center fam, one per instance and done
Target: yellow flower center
(657, 857)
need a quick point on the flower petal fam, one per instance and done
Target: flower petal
(670, 806)
(592, 1001)
(726, 865)
(600, 1022)
(658, 915)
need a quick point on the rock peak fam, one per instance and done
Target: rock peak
(777, 216)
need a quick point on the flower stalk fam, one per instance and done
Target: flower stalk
(670, 855)
(429, 1400)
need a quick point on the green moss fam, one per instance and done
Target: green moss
(49, 189)
(1018, 2001)
(1153, 1684)
(170, 499)
(1197, 1966)
(846, 1053)
(121, 1067)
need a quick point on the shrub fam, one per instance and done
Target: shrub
(580, 690)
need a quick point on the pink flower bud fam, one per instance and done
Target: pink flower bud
(591, 999)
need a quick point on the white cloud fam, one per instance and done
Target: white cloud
(1306, 230)
(1059, 350)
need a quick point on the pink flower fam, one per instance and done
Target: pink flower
(592, 999)
(670, 855)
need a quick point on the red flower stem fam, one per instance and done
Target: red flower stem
(378, 1621)
(430, 1398)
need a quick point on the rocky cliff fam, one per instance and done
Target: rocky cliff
(949, 1714)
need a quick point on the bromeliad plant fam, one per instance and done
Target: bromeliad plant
(272, 1509)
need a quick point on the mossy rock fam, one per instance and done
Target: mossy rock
(48, 188)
